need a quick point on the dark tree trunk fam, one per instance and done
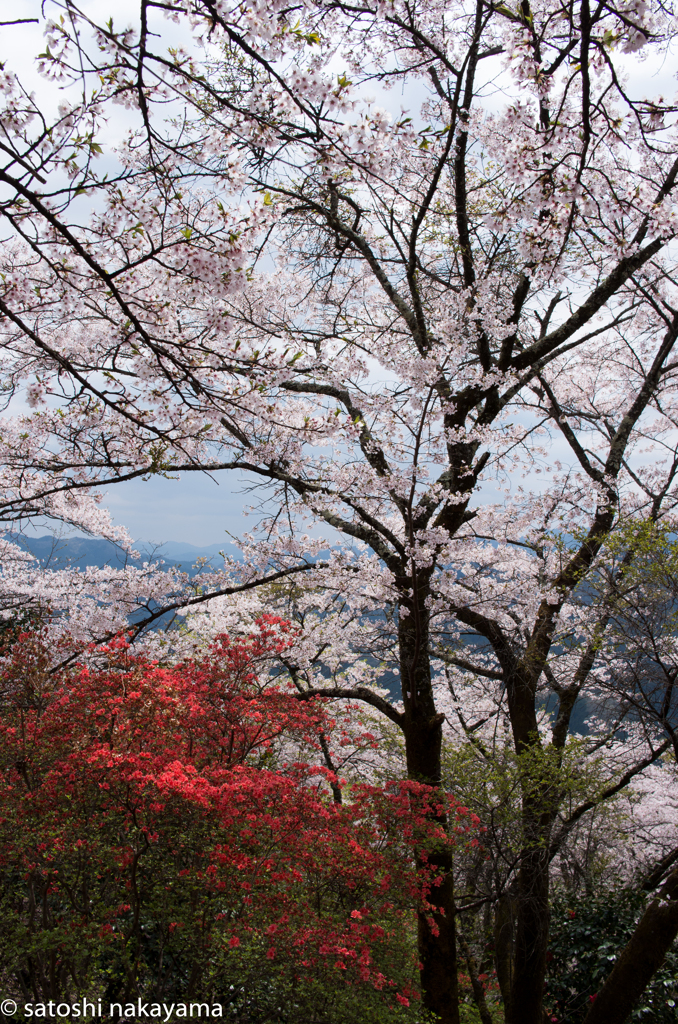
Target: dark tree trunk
(504, 944)
(422, 727)
(525, 1003)
(641, 957)
(532, 929)
(438, 955)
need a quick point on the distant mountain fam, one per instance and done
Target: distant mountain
(186, 555)
(81, 552)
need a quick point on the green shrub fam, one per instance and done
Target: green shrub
(587, 934)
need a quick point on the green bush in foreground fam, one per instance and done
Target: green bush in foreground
(587, 934)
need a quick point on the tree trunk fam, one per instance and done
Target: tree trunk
(438, 955)
(538, 784)
(504, 943)
(532, 929)
(641, 957)
(422, 727)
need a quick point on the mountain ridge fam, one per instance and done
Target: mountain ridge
(87, 552)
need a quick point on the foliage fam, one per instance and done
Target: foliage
(160, 839)
(588, 930)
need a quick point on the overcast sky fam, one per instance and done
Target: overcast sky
(196, 509)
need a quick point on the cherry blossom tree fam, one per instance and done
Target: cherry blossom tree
(383, 313)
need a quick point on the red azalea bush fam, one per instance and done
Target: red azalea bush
(155, 843)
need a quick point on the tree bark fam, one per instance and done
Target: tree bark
(640, 959)
(532, 929)
(504, 924)
(438, 954)
(422, 728)
(525, 1003)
